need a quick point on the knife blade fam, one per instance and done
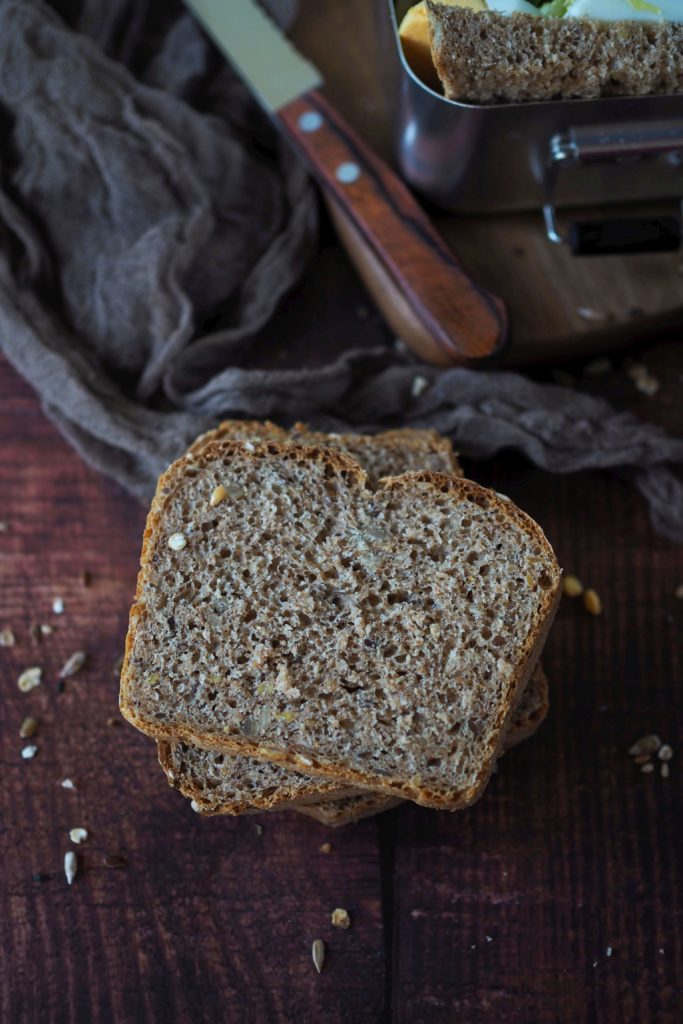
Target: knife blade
(424, 293)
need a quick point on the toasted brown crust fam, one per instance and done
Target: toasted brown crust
(346, 812)
(427, 441)
(527, 717)
(354, 477)
(293, 794)
(488, 57)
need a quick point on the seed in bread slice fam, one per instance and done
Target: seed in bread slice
(489, 57)
(379, 638)
(220, 784)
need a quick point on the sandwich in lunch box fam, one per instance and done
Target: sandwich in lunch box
(493, 51)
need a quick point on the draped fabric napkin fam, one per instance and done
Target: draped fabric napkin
(151, 222)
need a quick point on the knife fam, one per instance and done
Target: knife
(421, 288)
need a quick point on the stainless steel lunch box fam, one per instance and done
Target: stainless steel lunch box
(482, 159)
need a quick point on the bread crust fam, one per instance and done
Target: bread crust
(336, 814)
(319, 792)
(489, 57)
(356, 478)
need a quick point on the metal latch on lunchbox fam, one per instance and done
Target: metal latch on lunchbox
(613, 144)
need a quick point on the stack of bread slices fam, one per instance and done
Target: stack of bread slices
(334, 624)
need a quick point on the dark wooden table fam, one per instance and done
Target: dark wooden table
(555, 900)
(506, 912)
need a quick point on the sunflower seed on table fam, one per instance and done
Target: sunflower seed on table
(7, 638)
(665, 752)
(29, 752)
(73, 664)
(646, 769)
(664, 770)
(78, 835)
(318, 954)
(70, 866)
(645, 745)
(30, 678)
(67, 784)
(28, 728)
(58, 606)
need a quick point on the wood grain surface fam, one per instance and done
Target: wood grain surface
(503, 913)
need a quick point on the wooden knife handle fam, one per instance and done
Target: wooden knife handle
(418, 283)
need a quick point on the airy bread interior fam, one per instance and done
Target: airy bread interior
(378, 637)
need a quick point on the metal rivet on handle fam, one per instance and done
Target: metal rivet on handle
(347, 173)
(311, 121)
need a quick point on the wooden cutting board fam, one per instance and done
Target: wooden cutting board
(560, 305)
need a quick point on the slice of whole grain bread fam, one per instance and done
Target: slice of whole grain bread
(489, 57)
(378, 638)
(220, 784)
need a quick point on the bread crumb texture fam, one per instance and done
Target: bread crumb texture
(296, 623)
(489, 57)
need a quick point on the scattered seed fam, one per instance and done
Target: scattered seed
(73, 664)
(34, 633)
(592, 602)
(86, 578)
(45, 629)
(679, 592)
(115, 860)
(177, 541)
(649, 744)
(647, 768)
(318, 953)
(118, 665)
(40, 877)
(259, 829)
(29, 752)
(58, 606)
(70, 866)
(326, 848)
(29, 727)
(29, 679)
(665, 752)
(572, 586)
(598, 367)
(608, 951)
(340, 918)
(67, 784)
(596, 315)
(219, 495)
(641, 759)
(489, 938)
(195, 806)
(664, 770)
(7, 638)
(78, 835)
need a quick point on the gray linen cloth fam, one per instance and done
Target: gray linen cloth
(151, 222)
